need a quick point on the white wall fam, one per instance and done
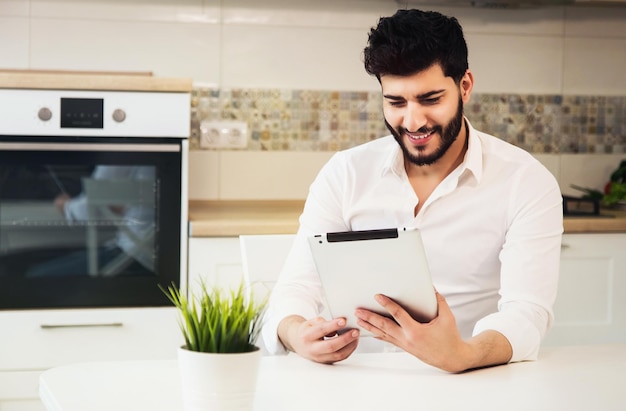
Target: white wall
(310, 45)
(305, 44)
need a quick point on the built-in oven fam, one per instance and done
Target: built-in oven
(93, 197)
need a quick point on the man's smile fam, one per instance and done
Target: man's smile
(420, 138)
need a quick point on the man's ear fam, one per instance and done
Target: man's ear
(466, 85)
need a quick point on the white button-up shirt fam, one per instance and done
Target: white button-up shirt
(491, 229)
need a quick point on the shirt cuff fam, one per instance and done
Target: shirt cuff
(274, 316)
(523, 335)
(269, 334)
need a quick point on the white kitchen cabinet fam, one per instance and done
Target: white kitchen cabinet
(591, 302)
(36, 340)
(19, 391)
(22, 405)
(216, 261)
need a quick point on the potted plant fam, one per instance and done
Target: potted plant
(219, 361)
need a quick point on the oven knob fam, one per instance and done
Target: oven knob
(119, 115)
(44, 114)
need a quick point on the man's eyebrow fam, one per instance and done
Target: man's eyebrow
(419, 96)
(430, 94)
(391, 97)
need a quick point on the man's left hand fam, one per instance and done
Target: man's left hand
(437, 343)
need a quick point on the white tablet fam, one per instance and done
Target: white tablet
(354, 266)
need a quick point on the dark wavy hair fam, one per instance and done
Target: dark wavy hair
(411, 41)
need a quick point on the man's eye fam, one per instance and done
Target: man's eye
(396, 103)
(431, 101)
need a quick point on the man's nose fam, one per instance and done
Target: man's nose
(414, 117)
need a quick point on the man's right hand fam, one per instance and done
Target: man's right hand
(317, 339)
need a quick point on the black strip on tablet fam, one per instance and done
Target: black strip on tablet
(362, 235)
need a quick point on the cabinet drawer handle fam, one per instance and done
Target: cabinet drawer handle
(51, 326)
(564, 246)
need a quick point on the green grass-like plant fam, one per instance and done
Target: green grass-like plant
(218, 321)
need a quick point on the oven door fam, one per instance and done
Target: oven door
(87, 222)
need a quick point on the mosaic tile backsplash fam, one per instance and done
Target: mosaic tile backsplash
(312, 120)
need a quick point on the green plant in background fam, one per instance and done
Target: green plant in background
(218, 321)
(614, 190)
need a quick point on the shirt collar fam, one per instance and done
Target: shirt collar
(472, 162)
(395, 161)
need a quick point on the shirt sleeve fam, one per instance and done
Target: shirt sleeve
(530, 259)
(298, 290)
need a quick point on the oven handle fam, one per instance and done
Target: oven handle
(79, 325)
(130, 147)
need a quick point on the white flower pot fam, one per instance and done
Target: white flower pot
(218, 382)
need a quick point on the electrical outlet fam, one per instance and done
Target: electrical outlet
(209, 135)
(235, 135)
(223, 134)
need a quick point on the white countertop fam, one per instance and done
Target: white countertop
(564, 378)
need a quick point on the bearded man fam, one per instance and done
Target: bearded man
(490, 216)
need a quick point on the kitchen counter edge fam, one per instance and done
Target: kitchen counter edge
(52, 80)
(233, 218)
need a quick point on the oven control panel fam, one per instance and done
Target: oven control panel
(96, 113)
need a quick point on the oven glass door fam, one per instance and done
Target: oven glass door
(89, 222)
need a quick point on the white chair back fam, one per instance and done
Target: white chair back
(263, 256)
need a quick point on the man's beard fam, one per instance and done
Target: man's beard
(448, 135)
